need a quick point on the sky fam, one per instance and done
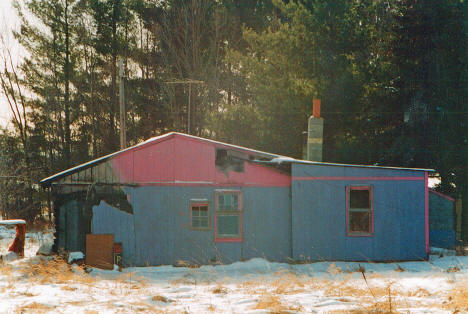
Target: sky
(8, 21)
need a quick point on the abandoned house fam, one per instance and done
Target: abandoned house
(180, 197)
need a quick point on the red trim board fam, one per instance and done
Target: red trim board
(426, 209)
(442, 195)
(309, 178)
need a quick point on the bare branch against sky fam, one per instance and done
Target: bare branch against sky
(8, 22)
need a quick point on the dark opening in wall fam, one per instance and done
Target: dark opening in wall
(229, 160)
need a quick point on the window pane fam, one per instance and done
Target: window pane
(359, 199)
(228, 201)
(220, 201)
(235, 202)
(195, 222)
(203, 211)
(195, 212)
(204, 222)
(228, 225)
(359, 221)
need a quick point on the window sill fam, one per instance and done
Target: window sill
(359, 234)
(200, 229)
(221, 240)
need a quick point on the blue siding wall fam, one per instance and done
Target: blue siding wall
(159, 230)
(110, 220)
(319, 215)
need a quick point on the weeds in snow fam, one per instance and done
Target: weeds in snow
(334, 270)
(56, 271)
(289, 284)
(34, 307)
(457, 300)
(220, 290)
(273, 304)
(160, 298)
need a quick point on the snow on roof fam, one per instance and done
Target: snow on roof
(280, 160)
(13, 222)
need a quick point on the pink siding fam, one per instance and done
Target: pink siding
(154, 163)
(187, 161)
(122, 166)
(255, 175)
(194, 160)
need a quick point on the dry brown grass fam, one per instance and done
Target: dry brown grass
(211, 308)
(419, 293)
(34, 307)
(350, 289)
(289, 284)
(69, 288)
(8, 271)
(457, 300)
(273, 304)
(56, 271)
(399, 269)
(160, 298)
(334, 270)
(220, 290)
(26, 294)
(453, 269)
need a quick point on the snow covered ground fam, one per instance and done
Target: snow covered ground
(45, 284)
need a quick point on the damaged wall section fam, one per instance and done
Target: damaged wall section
(76, 195)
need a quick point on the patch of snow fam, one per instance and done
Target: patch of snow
(280, 160)
(11, 222)
(441, 251)
(10, 256)
(420, 286)
(75, 256)
(433, 182)
(45, 249)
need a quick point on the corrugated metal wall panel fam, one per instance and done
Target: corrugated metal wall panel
(319, 217)
(110, 220)
(162, 233)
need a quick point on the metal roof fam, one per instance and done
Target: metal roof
(308, 162)
(153, 140)
(275, 159)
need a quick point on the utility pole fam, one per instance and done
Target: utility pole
(123, 133)
(189, 82)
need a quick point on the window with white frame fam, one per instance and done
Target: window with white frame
(228, 215)
(199, 216)
(359, 211)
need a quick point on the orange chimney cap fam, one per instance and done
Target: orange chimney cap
(316, 109)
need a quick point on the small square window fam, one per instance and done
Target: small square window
(200, 218)
(359, 211)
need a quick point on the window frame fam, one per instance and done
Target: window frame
(369, 188)
(228, 238)
(199, 203)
